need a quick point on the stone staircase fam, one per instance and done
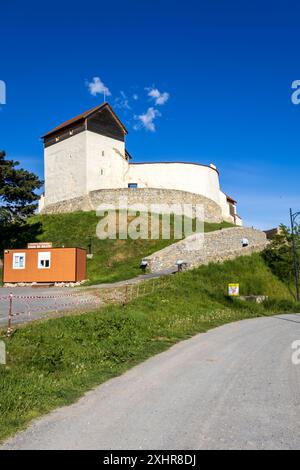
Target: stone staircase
(218, 246)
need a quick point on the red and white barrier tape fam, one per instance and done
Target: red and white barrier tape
(49, 308)
(45, 296)
(25, 297)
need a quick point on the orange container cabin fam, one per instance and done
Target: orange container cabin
(44, 265)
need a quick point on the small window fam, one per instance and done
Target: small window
(44, 260)
(103, 153)
(19, 260)
(102, 172)
(132, 185)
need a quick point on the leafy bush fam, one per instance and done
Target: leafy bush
(278, 255)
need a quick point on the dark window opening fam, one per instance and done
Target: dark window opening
(45, 263)
(232, 209)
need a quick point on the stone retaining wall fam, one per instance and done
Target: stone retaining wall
(215, 246)
(146, 196)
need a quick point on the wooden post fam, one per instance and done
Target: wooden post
(131, 292)
(9, 320)
(55, 304)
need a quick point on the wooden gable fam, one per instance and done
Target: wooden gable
(105, 123)
(101, 120)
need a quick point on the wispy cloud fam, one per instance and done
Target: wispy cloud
(128, 102)
(122, 101)
(147, 120)
(158, 97)
(96, 87)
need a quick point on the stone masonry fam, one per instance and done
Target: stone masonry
(208, 247)
(146, 196)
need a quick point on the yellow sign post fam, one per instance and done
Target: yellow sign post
(234, 290)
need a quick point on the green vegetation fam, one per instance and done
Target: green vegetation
(114, 260)
(18, 199)
(278, 255)
(52, 363)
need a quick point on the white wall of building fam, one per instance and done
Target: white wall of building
(65, 169)
(83, 163)
(193, 178)
(88, 162)
(106, 164)
(225, 207)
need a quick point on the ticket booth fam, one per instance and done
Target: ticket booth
(42, 263)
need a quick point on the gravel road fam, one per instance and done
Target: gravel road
(234, 387)
(35, 303)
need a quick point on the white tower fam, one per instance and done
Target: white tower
(84, 154)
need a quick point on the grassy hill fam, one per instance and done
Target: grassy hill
(52, 363)
(113, 260)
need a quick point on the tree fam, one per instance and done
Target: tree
(17, 191)
(18, 200)
(279, 256)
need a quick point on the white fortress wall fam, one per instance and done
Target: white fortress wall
(225, 207)
(80, 159)
(227, 215)
(106, 164)
(65, 169)
(238, 221)
(197, 179)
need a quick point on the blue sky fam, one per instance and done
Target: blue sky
(226, 69)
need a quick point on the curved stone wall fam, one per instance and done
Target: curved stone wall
(213, 247)
(146, 196)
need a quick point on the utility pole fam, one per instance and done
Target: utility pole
(295, 257)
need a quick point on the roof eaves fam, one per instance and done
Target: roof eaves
(84, 116)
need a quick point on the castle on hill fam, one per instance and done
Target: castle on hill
(86, 163)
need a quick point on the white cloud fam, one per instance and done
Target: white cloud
(96, 87)
(158, 97)
(146, 120)
(135, 96)
(122, 101)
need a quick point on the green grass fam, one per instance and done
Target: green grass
(114, 260)
(52, 363)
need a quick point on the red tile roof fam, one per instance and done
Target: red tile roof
(230, 199)
(83, 116)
